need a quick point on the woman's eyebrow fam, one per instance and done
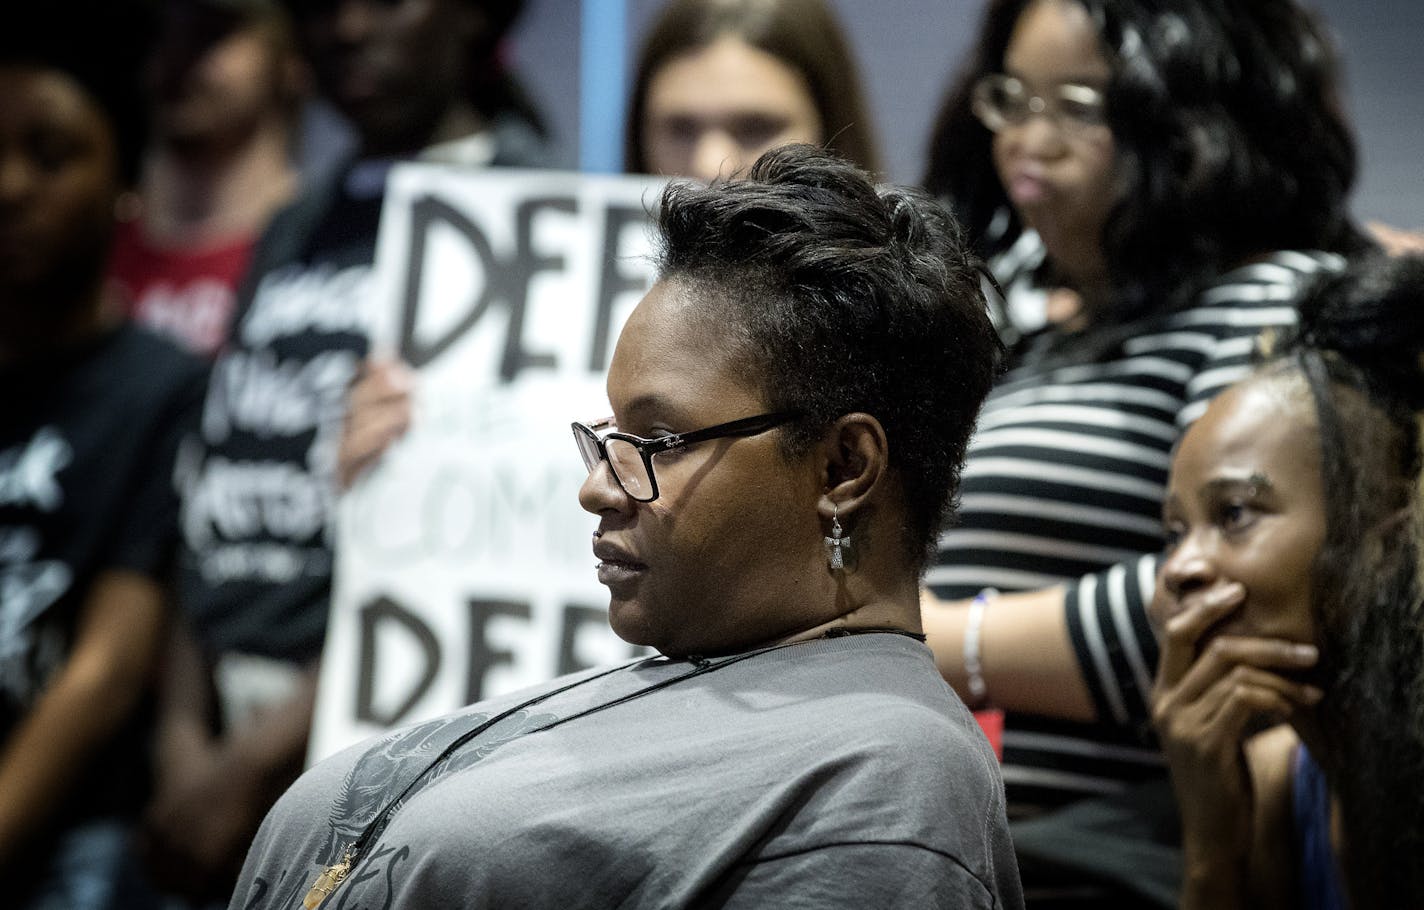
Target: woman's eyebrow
(1092, 80)
(1256, 484)
(650, 405)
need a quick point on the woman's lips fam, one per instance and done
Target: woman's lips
(617, 573)
(616, 565)
(1027, 189)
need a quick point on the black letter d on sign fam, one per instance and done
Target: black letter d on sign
(379, 611)
(425, 213)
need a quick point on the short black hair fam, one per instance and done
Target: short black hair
(102, 45)
(1230, 141)
(845, 297)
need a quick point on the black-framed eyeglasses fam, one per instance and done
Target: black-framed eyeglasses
(631, 457)
(1000, 101)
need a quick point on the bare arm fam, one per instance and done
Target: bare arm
(185, 721)
(1027, 655)
(1397, 241)
(214, 792)
(116, 643)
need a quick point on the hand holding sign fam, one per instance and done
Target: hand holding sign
(378, 413)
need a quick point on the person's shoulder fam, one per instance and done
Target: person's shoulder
(518, 144)
(428, 736)
(909, 716)
(1253, 297)
(137, 359)
(940, 738)
(139, 342)
(293, 223)
(1268, 280)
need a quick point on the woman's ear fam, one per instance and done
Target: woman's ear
(856, 455)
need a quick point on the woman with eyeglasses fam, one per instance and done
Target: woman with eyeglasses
(781, 451)
(1176, 171)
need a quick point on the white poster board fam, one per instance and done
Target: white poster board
(464, 566)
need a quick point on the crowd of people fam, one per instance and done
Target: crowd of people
(1103, 442)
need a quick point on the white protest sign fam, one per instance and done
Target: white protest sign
(464, 566)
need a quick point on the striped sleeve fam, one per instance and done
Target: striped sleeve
(1108, 626)
(1245, 303)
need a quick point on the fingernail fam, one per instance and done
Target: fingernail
(1305, 653)
(1313, 695)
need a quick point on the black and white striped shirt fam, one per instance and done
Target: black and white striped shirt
(1063, 485)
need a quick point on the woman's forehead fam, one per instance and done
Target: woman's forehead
(670, 350)
(1264, 424)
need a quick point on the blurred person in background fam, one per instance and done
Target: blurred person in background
(257, 480)
(718, 82)
(90, 419)
(1183, 167)
(226, 85)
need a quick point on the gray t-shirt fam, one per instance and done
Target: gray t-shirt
(841, 772)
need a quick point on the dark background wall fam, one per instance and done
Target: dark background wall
(908, 50)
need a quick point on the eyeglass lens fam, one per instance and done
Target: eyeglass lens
(1002, 101)
(629, 467)
(623, 457)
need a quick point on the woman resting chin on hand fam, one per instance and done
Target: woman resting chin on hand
(1289, 599)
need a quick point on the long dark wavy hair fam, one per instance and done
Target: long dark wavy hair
(803, 34)
(1358, 351)
(1229, 140)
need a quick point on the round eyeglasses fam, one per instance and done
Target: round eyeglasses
(1001, 101)
(631, 457)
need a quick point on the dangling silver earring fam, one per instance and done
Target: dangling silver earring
(836, 542)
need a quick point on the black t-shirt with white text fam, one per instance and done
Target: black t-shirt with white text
(87, 443)
(258, 478)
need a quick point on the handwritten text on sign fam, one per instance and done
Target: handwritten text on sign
(464, 566)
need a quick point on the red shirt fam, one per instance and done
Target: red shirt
(185, 293)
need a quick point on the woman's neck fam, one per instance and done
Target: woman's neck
(1084, 301)
(898, 610)
(194, 200)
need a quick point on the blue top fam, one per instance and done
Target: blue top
(1320, 885)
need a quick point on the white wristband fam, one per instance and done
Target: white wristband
(973, 665)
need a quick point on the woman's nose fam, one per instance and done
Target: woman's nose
(1187, 569)
(601, 492)
(716, 154)
(1038, 137)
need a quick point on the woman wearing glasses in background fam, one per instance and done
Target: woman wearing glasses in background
(1168, 174)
